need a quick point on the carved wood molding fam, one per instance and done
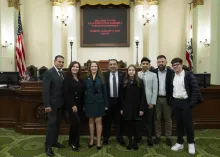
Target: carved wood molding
(211, 96)
(40, 114)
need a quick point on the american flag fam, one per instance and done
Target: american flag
(20, 54)
(189, 47)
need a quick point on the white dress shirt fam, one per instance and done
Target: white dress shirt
(162, 82)
(111, 83)
(143, 77)
(58, 71)
(179, 90)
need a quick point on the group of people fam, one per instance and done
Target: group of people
(125, 98)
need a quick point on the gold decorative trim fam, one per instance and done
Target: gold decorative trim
(153, 2)
(56, 2)
(197, 2)
(72, 2)
(104, 2)
(138, 2)
(14, 3)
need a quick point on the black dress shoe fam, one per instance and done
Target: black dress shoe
(157, 140)
(58, 145)
(99, 147)
(49, 151)
(129, 147)
(90, 145)
(150, 143)
(169, 142)
(105, 142)
(121, 141)
(139, 140)
(135, 146)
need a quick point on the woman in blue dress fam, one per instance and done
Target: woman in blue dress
(95, 101)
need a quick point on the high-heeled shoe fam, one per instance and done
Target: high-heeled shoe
(99, 147)
(90, 145)
(135, 146)
(74, 148)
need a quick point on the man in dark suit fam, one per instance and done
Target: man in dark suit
(114, 84)
(163, 107)
(53, 102)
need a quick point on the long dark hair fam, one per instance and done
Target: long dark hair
(99, 72)
(69, 72)
(127, 77)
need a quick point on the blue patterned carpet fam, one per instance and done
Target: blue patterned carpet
(16, 145)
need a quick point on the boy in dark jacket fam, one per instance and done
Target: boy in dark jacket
(185, 95)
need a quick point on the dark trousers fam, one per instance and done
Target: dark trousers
(132, 129)
(113, 113)
(150, 123)
(53, 126)
(74, 134)
(183, 116)
(148, 119)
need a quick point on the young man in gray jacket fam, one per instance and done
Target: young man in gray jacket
(151, 89)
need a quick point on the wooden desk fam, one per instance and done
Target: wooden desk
(23, 110)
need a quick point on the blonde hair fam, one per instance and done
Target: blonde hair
(99, 72)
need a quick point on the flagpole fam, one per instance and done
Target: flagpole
(189, 48)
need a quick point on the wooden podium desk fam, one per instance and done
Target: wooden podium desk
(23, 110)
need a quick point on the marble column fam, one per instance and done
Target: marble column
(198, 34)
(153, 32)
(0, 31)
(71, 31)
(9, 15)
(1, 36)
(214, 44)
(56, 30)
(138, 30)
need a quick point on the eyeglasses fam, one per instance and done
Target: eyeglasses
(177, 64)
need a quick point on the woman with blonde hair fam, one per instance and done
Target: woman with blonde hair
(95, 101)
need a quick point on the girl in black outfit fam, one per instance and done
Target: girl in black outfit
(133, 101)
(74, 90)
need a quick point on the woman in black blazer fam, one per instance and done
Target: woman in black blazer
(74, 90)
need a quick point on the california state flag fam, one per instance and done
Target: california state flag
(189, 46)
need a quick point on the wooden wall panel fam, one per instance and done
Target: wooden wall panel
(24, 111)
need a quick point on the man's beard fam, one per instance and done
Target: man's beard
(161, 67)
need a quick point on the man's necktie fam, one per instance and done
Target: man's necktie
(61, 74)
(114, 86)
